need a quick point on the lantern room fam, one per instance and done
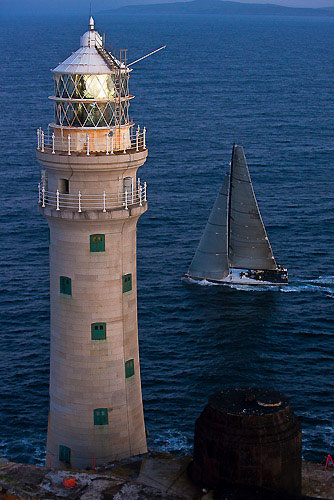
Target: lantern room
(91, 97)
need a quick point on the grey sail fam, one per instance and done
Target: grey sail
(210, 260)
(249, 247)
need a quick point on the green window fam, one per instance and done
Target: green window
(65, 285)
(101, 416)
(64, 454)
(98, 331)
(129, 368)
(127, 282)
(97, 243)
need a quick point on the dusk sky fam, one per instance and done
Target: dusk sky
(36, 7)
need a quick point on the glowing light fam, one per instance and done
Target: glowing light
(99, 87)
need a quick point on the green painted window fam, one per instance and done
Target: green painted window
(97, 243)
(98, 331)
(64, 454)
(129, 368)
(101, 416)
(127, 282)
(65, 285)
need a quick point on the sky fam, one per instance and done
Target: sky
(35, 7)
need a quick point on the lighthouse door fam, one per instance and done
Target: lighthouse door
(128, 188)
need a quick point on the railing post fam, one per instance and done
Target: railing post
(79, 201)
(145, 189)
(38, 139)
(144, 137)
(42, 142)
(69, 145)
(112, 144)
(53, 143)
(138, 187)
(140, 196)
(57, 199)
(126, 200)
(39, 192)
(43, 197)
(87, 136)
(137, 138)
(104, 201)
(124, 145)
(107, 144)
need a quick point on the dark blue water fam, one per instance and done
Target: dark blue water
(266, 83)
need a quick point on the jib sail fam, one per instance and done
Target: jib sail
(210, 260)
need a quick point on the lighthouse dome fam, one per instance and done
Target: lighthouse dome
(88, 59)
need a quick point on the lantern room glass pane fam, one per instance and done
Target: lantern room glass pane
(68, 85)
(87, 114)
(106, 87)
(85, 86)
(98, 87)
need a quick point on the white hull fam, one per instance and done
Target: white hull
(239, 277)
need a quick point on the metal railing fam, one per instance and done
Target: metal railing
(122, 142)
(82, 202)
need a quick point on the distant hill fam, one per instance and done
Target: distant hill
(223, 8)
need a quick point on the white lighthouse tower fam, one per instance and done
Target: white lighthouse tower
(92, 199)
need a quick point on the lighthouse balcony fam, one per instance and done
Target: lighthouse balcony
(74, 141)
(103, 202)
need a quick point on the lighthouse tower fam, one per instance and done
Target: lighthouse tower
(92, 198)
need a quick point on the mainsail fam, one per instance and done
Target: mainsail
(210, 260)
(249, 247)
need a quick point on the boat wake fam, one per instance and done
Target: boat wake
(324, 284)
(192, 281)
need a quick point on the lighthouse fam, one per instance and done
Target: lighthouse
(92, 199)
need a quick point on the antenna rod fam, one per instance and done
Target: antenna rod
(148, 55)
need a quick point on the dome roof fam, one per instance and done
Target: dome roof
(87, 59)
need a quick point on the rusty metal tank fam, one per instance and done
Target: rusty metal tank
(248, 436)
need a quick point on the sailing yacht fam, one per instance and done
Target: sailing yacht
(234, 248)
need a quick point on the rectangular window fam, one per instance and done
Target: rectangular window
(127, 283)
(98, 331)
(97, 243)
(63, 186)
(64, 454)
(101, 416)
(65, 285)
(129, 368)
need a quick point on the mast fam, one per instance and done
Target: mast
(229, 207)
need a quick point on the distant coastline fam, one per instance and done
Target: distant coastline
(219, 7)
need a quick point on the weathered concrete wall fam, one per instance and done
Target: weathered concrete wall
(88, 374)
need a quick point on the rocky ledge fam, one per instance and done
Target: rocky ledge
(155, 476)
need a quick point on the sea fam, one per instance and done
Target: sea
(265, 83)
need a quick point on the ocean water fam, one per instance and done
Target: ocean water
(266, 83)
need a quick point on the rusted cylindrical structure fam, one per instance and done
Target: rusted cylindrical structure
(248, 436)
